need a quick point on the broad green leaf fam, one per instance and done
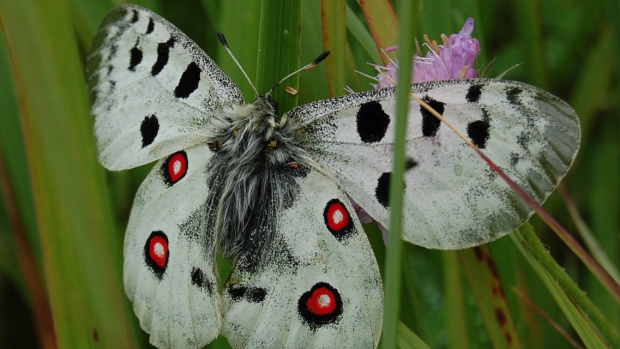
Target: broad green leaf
(335, 41)
(279, 49)
(239, 21)
(486, 285)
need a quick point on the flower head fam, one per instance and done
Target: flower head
(452, 60)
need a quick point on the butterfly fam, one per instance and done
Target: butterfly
(272, 193)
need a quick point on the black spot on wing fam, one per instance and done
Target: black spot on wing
(478, 132)
(135, 57)
(149, 129)
(250, 294)
(256, 294)
(163, 53)
(513, 95)
(473, 93)
(189, 81)
(200, 280)
(135, 17)
(237, 292)
(372, 122)
(430, 123)
(382, 191)
(151, 26)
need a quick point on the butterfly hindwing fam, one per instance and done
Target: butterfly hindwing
(452, 197)
(319, 284)
(153, 89)
(168, 258)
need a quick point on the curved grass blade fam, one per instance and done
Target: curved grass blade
(80, 250)
(562, 287)
(361, 33)
(549, 319)
(407, 339)
(586, 234)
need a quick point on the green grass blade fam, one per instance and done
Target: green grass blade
(14, 153)
(360, 32)
(312, 83)
(352, 76)
(529, 28)
(560, 285)
(486, 285)
(456, 322)
(596, 249)
(279, 49)
(407, 339)
(80, 250)
(383, 24)
(86, 16)
(239, 22)
(335, 41)
(395, 246)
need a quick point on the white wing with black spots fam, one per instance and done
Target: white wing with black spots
(452, 198)
(153, 90)
(319, 285)
(168, 258)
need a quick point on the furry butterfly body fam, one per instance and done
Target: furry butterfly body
(272, 193)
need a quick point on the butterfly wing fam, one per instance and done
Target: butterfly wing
(452, 198)
(168, 258)
(153, 90)
(319, 284)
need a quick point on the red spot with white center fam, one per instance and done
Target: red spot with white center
(158, 250)
(322, 302)
(337, 216)
(177, 166)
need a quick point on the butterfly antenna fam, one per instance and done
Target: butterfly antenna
(225, 44)
(314, 63)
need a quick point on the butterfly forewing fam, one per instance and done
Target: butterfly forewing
(153, 90)
(168, 265)
(319, 285)
(452, 197)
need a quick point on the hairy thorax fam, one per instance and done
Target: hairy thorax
(253, 174)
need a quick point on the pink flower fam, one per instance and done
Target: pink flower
(452, 60)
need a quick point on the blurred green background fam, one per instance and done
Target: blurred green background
(62, 216)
